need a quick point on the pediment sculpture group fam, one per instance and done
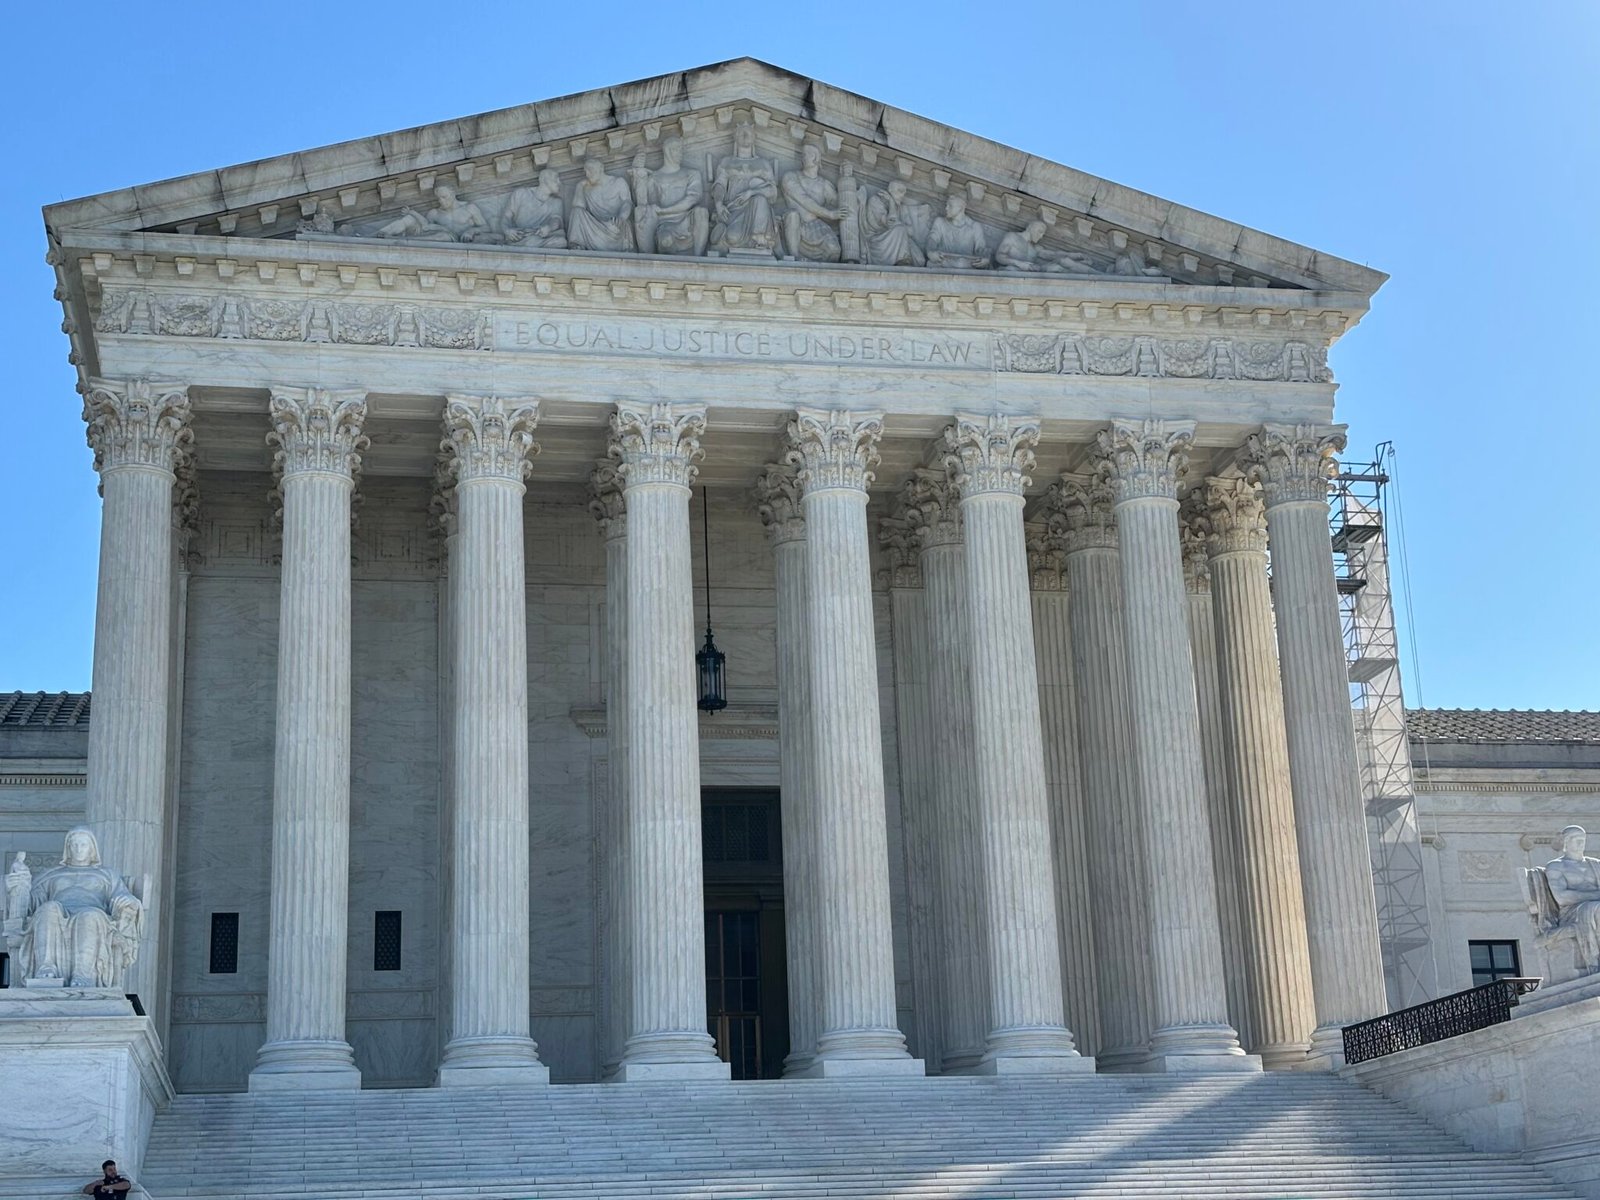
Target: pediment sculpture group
(74, 925)
(749, 210)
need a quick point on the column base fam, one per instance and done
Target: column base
(795, 1065)
(492, 1062)
(1035, 1064)
(1121, 1061)
(1284, 1058)
(1327, 1048)
(714, 1071)
(1190, 1048)
(864, 1068)
(961, 1062)
(304, 1066)
(1199, 1064)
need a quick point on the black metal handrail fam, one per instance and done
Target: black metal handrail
(1447, 1017)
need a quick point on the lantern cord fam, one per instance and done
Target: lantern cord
(705, 546)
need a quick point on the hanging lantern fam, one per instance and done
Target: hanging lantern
(710, 663)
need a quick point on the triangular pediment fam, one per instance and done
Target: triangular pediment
(885, 176)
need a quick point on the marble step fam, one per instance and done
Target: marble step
(1253, 1137)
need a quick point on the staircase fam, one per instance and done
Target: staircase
(1276, 1135)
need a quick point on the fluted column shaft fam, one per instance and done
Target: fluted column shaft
(835, 451)
(490, 438)
(778, 502)
(606, 503)
(139, 430)
(1274, 954)
(1191, 1014)
(1075, 912)
(1081, 517)
(1293, 465)
(319, 438)
(667, 1031)
(990, 457)
(1220, 806)
(931, 512)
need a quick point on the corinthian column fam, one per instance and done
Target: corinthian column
(489, 440)
(605, 503)
(1143, 461)
(1273, 954)
(318, 435)
(1293, 465)
(989, 458)
(779, 505)
(139, 429)
(1192, 528)
(930, 510)
(835, 451)
(657, 445)
(1080, 517)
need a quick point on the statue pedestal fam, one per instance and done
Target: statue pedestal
(84, 1079)
(1527, 1086)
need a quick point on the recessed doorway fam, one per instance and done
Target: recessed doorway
(747, 1003)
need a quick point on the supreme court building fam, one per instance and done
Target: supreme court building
(409, 450)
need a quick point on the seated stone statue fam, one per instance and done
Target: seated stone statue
(450, 220)
(602, 211)
(743, 191)
(955, 239)
(1573, 891)
(534, 217)
(893, 227)
(1131, 261)
(669, 214)
(82, 923)
(1022, 252)
(810, 227)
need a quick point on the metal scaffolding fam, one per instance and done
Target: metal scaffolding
(1359, 515)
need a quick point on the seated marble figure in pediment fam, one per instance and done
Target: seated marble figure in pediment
(748, 201)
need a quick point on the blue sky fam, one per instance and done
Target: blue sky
(1452, 145)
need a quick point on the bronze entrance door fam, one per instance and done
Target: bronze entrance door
(747, 1009)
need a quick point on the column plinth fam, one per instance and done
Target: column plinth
(1142, 462)
(656, 446)
(319, 440)
(835, 452)
(489, 440)
(139, 430)
(1080, 518)
(1275, 957)
(1293, 465)
(930, 511)
(989, 458)
(780, 507)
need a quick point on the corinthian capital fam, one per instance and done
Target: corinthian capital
(1294, 462)
(834, 448)
(930, 506)
(1079, 513)
(490, 437)
(1145, 459)
(137, 423)
(605, 499)
(778, 503)
(658, 443)
(1194, 527)
(991, 453)
(317, 431)
(901, 553)
(1238, 520)
(1045, 559)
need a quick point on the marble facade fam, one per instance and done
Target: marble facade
(943, 457)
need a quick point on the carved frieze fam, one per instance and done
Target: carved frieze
(152, 312)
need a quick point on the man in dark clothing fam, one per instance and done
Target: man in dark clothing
(112, 1186)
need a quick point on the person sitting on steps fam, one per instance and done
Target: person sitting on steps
(111, 1186)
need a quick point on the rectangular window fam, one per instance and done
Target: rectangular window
(386, 941)
(224, 943)
(1494, 960)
